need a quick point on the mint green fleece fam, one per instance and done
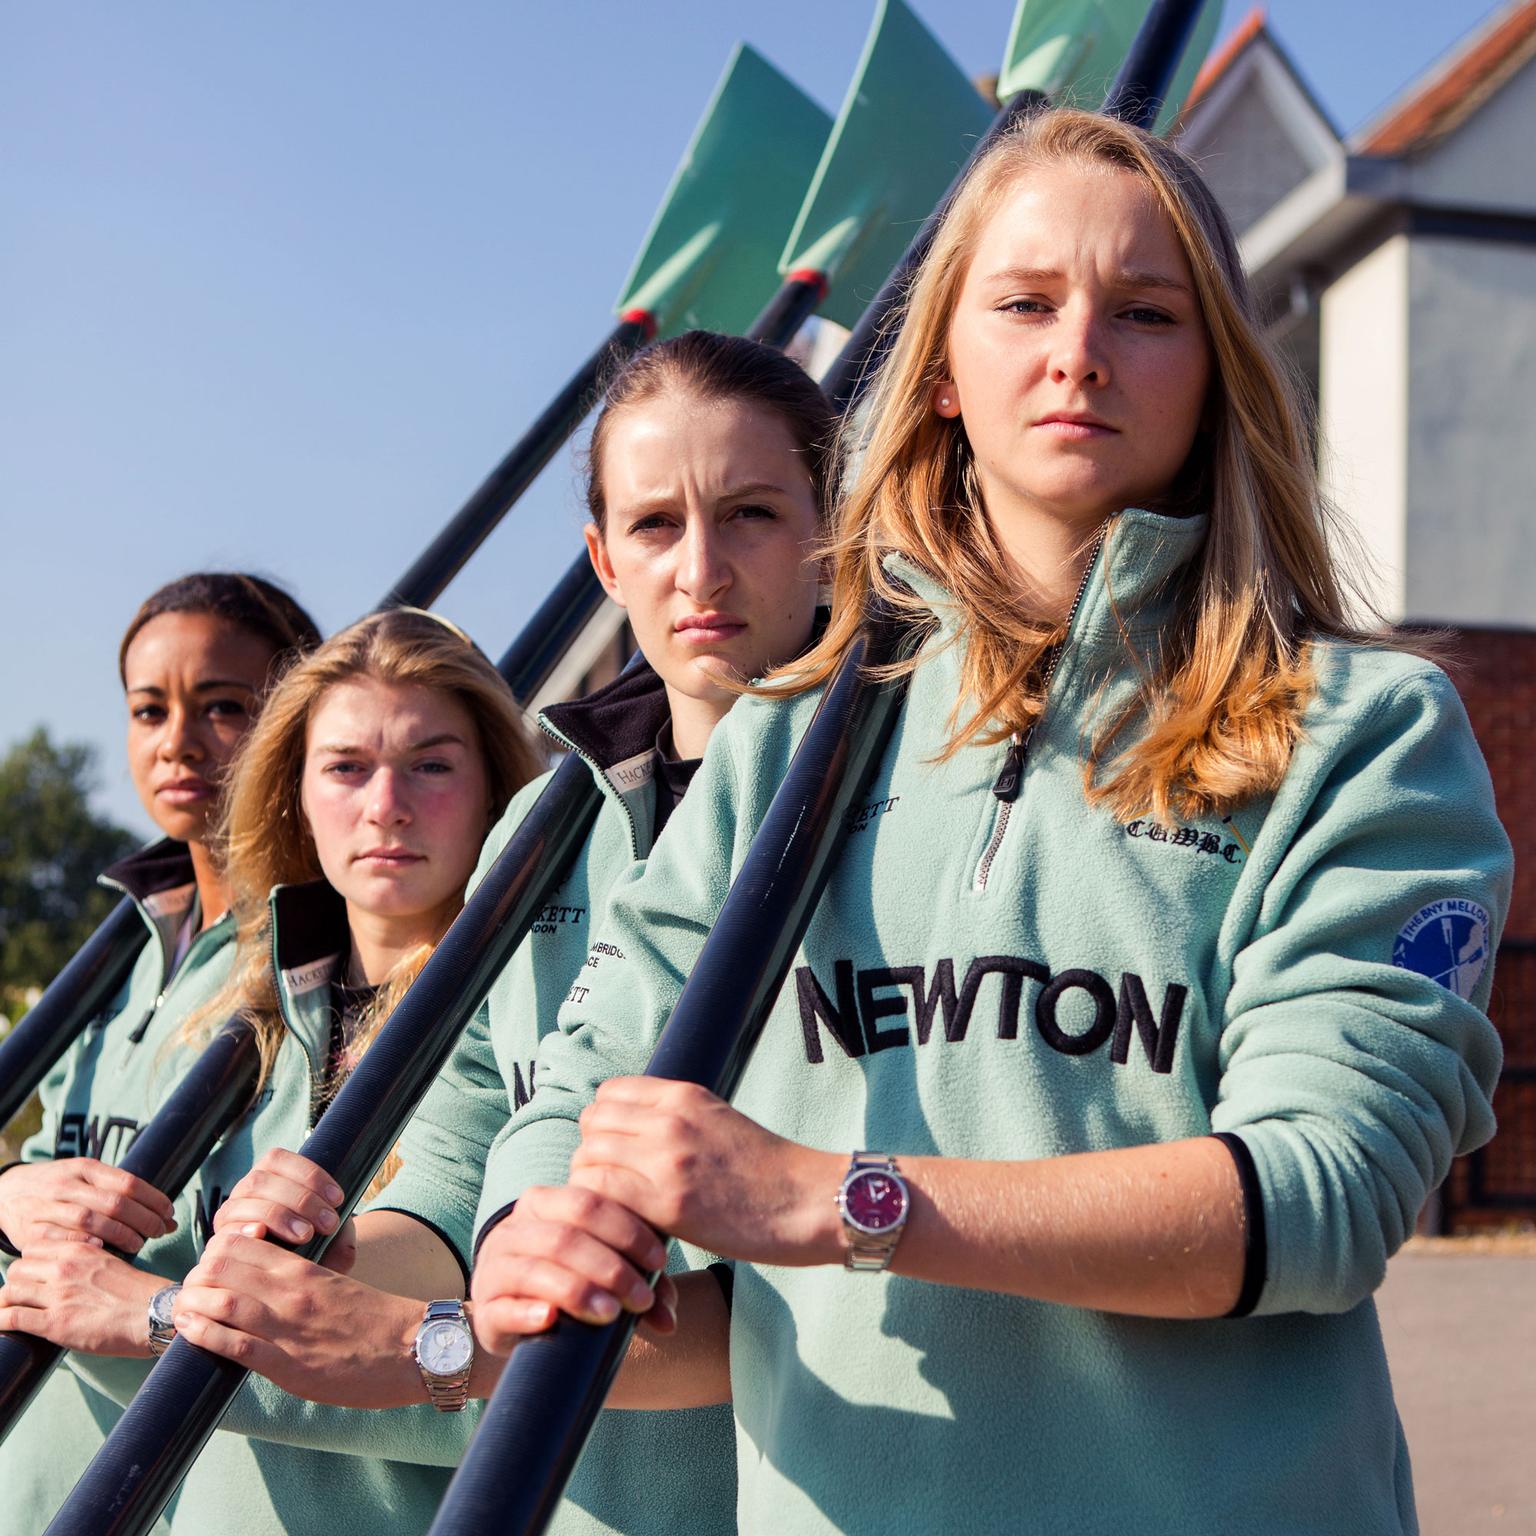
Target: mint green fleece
(95, 1101)
(685, 1460)
(279, 1465)
(1104, 983)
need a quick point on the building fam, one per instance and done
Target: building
(1397, 269)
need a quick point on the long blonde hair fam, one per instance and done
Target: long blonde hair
(265, 837)
(1219, 708)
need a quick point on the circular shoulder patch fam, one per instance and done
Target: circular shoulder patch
(1446, 941)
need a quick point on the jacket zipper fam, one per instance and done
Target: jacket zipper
(629, 815)
(1010, 780)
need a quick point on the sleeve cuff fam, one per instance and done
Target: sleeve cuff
(725, 1278)
(1255, 1242)
(490, 1221)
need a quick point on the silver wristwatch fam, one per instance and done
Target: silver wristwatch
(162, 1325)
(873, 1202)
(444, 1352)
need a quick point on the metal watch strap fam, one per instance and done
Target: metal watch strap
(448, 1394)
(866, 1251)
(161, 1335)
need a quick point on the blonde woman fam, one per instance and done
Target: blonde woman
(1144, 1006)
(354, 819)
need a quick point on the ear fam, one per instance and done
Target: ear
(946, 399)
(597, 553)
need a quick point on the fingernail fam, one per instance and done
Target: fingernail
(95, 1242)
(326, 1221)
(640, 1295)
(655, 1258)
(332, 1193)
(605, 1308)
(301, 1230)
(252, 1229)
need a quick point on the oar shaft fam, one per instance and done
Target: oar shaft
(185, 1129)
(1141, 87)
(144, 1459)
(77, 994)
(535, 1425)
(796, 301)
(472, 524)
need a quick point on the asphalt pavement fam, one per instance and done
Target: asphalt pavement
(1459, 1318)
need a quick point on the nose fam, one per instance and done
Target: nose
(703, 572)
(1079, 351)
(388, 803)
(179, 741)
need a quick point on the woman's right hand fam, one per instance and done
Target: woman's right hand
(290, 1197)
(566, 1250)
(81, 1200)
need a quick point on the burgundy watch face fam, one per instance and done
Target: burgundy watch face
(874, 1201)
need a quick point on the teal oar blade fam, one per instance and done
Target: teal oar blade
(711, 257)
(1072, 50)
(910, 120)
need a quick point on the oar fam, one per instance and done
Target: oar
(553, 1388)
(908, 122)
(710, 255)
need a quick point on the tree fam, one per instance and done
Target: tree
(52, 847)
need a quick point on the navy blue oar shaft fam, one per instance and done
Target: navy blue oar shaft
(185, 1129)
(547, 1400)
(80, 991)
(473, 523)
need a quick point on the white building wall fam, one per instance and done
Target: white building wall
(1471, 439)
(1363, 413)
(1490, 161)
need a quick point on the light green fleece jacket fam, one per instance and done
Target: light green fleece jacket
(686, 1461)
(1040, 978)
(95, 1101)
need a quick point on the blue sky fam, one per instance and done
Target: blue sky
(282, 282)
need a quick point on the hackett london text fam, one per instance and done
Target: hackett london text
(859, 1013)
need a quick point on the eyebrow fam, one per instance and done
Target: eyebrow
(207, 685)
(735, 493)
(1127, 277)
(443, 739)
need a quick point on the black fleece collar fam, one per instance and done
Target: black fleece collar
(162, 866)
(310, 924)
(618, 722)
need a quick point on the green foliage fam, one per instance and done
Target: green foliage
(52, 847)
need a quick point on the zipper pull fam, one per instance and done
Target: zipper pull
(1006, 785)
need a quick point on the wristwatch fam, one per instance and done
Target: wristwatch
(162, 1326)
(444, 1351)
(873, 1202)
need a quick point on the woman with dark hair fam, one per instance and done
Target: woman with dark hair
(196, 663)
(709, 474)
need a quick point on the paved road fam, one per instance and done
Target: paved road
(1461, 1340)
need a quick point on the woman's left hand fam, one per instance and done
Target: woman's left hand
(315, 1333)
(81, 1297)
(683, 1160)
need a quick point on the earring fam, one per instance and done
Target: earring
(944, 401)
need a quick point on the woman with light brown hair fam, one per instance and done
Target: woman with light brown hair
(356, 812)
(1151, 971)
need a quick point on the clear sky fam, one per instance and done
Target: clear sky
(280, 283)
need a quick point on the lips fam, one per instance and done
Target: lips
(390, 858)
(709, 628)
(188, 791)
(1076, 425)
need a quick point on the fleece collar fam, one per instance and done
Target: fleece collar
(1131, 589)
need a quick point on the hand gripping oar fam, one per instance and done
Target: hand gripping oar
(185, 1129)
(553, 1388)
(710, 255)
